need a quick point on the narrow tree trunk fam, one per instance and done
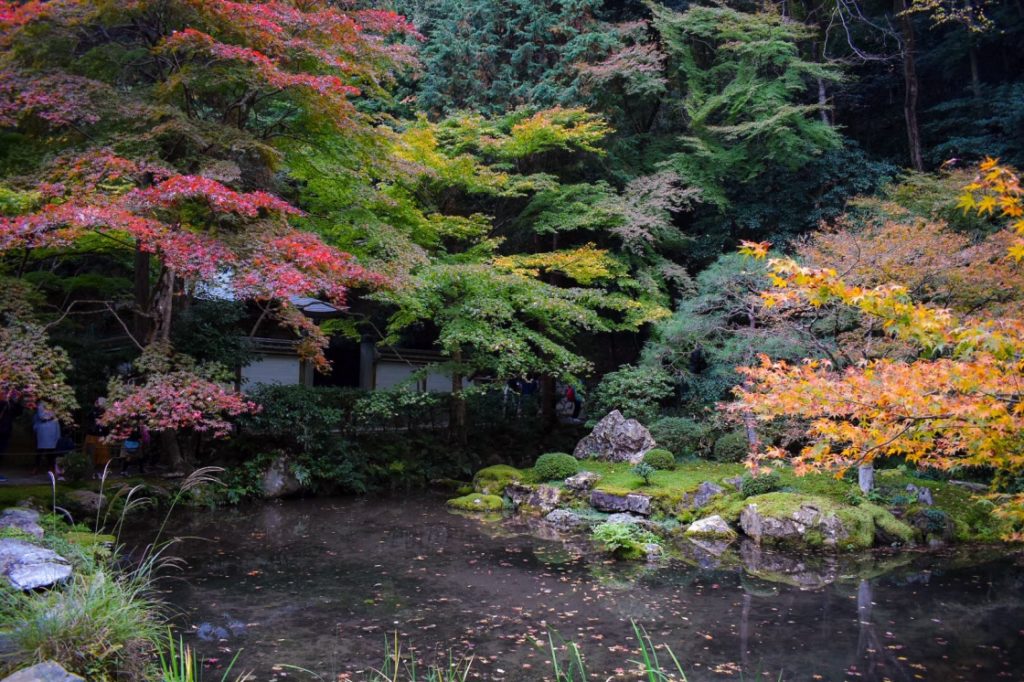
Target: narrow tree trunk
(458, 415)
(170, 449)
(866, 478)
(972, 55)
(140, 312)
(910, 82)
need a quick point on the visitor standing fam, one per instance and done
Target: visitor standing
(47, 429)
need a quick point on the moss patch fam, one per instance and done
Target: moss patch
(492, 480)
(477, 502)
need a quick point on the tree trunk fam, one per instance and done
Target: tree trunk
(972, 55)
(910, 86)
(548, 402)
(170, 449)
(866, 478)
(458, 415)
(140, 312)
(163, 309)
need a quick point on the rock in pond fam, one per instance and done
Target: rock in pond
(563, 520)
(711, 527)
(653, 551)
(19, 518)
(29, 567)
(86, 500)
(279, 481)
(47, 671)
(808, 521)
(584, 480)
(543, 498)
(633, 502)
(705, 492)
(616, 439)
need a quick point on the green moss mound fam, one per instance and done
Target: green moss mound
(760, 485)
(492, 480)
(477, 503)
(555, 466)
(660, 459)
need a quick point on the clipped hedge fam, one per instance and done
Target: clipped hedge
(660, 459)
(555, 466)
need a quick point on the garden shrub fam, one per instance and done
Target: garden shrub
(624, 540)
(555, 466)
(644, 471)
(759, 485)
(636, 392)
(732, 447)
(683, 436)
(660, 459)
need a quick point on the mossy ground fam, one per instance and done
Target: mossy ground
(477, 502)
(493, 479)
(971, 515)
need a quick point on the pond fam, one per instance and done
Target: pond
(319, 584)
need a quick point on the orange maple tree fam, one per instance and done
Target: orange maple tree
(959, 402)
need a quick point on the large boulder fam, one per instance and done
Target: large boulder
(29, 567)
(542, 498)
(616, 439)
(705, 492)
(25, 520)
(47, 671)
(608, 502)
(279, 481)
(564, 520)
(790, 519)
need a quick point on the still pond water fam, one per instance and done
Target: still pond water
(320, 583)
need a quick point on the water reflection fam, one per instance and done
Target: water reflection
(319, 583)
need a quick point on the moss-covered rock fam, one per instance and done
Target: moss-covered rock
(493, 480)
(795, 520)
(477, 502)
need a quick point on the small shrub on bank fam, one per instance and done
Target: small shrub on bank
(644, 471)
(732, 447)
(555, 466)
(660, 459)
(760, 485)
(624, 540)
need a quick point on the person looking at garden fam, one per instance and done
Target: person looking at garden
(47, 430)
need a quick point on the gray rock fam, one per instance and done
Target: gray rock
(923, 494)
(792, 529)
(706, 491)
(584, 480)
(735, 482)
(973, 487)
(47, 671)
(544, 498)
(29, 567)
(25, 520)
(518, 493)
(788, 568)
(563, 519)
(711, 527)
(86, 500)
(279, 481)
(653, 550)
(622, 517)
(633, 502)
(616, 439)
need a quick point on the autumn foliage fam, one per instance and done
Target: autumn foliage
(958, 402)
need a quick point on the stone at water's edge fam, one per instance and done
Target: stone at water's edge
(633, 502)
(711, 527)
(616, 439)
(789, 568)
(25, 520)
(793, 527)
(279, 481)
(47, 671)
(563, 519)
(28, 567)
(584, 480)
(543, 498)
(87, 500)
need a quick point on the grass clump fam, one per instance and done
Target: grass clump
(555, 466)
(660, 459)
(493, 480)
(732, 447)
(760, 485)
(477, 502)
